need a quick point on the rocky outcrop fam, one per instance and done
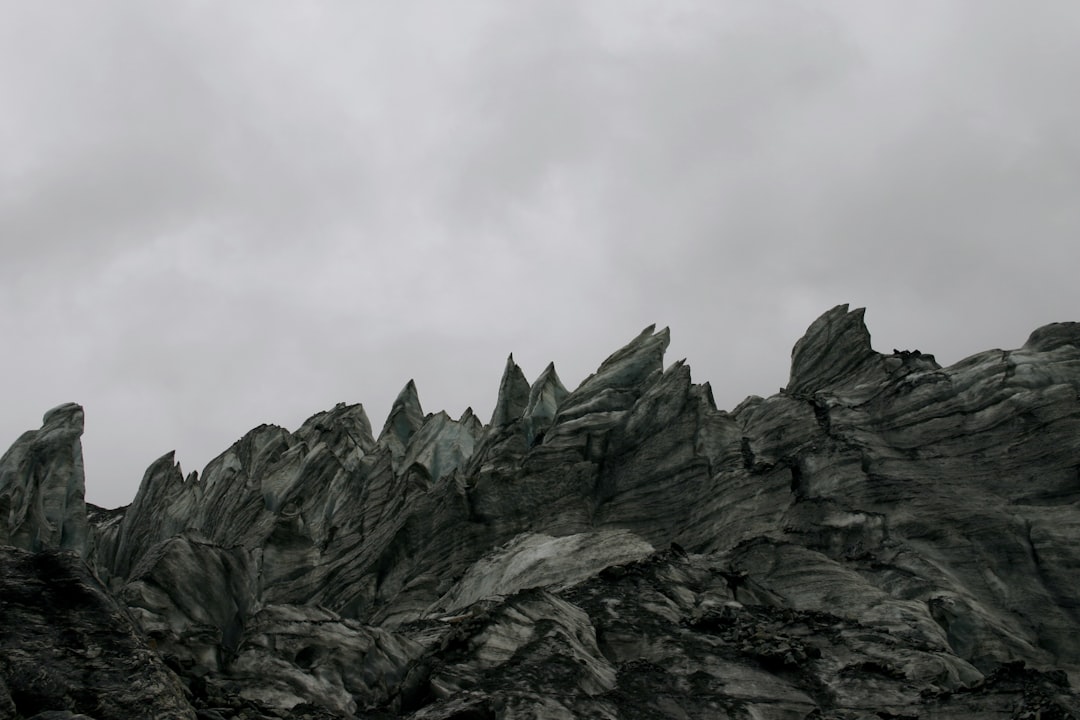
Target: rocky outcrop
(884, 537)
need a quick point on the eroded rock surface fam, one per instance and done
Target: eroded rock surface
(885, 538)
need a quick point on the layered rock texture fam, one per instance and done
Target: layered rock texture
(884, 538)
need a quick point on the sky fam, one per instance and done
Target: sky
(217, 215)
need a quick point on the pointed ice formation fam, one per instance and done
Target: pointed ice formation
(42, 485)
(544, 398)
(351, 420)
(632, 364)
(587, 414)
(513, 395)
(442, 444)
(469, 420)
(620, 378)
(150, 518)
(406, 417)
(835, 346)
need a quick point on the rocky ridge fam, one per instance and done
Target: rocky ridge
(884, 537)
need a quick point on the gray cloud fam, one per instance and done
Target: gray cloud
(213, 216)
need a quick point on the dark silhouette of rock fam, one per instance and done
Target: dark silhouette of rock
(883, 538)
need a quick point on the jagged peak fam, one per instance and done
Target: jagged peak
(341, 410)
(647, 340)
(834, 346)
(676, 374)
(442, 444)
(257, 449)
(545, 396)
(707, 393)
(548, 383)
(661, 402)
(471, 423)
(140, 527)
(352, 418)
(166, 465)
(631, 364)
(409, 391)
(513, 395)
(405, 418)
(618, 382)
(160, 476)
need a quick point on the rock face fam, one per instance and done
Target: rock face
(883, 538)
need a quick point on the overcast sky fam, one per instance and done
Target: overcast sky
(215, 215)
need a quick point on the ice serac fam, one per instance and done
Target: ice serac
(471, 423)
(157, 513)
(441, 445)
(885, 537)
(406, 417)
(835, 348)
(350, 422)
(586, 415)
(545, 395)
(42, 485)
(513, 395)
(619, 380)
